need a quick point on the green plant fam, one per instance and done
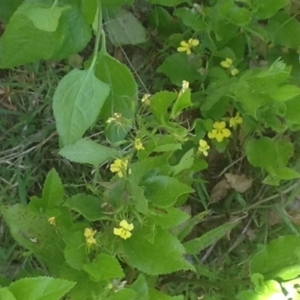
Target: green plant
(223, 62)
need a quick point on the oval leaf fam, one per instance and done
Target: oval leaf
(77, 102)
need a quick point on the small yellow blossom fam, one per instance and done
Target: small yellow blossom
(115, 118)
(227, 64)
(89, 234)
(120, 167)
(184, 87)
(203, 147)
(219, 131)
(138, 145)
(146, 99)
(187, 46)
(52, 221)
(124, 230)
(234, 121)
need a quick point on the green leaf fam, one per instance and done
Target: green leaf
(169, 217)
(53, 191)
(268, 153)
(23, 43)
(284, 30)
(86, 205)
(41, 288)
(278, 259)
(89, 9)
(285, 92)
(163, 191)
(124, 28)
(86, 151)
(34, 233)
(77, 102)
(160, 103)
(140, 286)
(239, 16)
(123, 94)
(183, 101)
(155, 253)
(6, 294)
(124, 294)
(75, 250)
(179, 67)
(292, 111)
(7, 8)
(195, 246)
(185, 163)
(114, 3)
(138, 197)
(191, 18)
(104, 267)
(46, 18)
(168, 2)
(267, 8)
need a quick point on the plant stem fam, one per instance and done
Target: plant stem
(98, 35)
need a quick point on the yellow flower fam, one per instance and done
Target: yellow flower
(115, 118)
(120, 167)
(184, 87)
(203, 147)
(89, 236)
(146, 99)
(234, 121)
(219, 131)
(52, 221)
(138, 145)
(124, 230)
(227, 64)
(187, 46)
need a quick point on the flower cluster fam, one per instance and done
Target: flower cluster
(89, 234)
(146, 99)
(124, 230)
(120, 167)
(116, 118)
(228, 64)
(203, 147)
(235, 121)
(187, 46)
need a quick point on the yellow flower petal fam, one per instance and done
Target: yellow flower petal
(188, 51)
(193, 42)
(226, 132)
(226, 63)
(125, 234)
(219, 125)
(124, 224)
(234, 71)
(184, 44)
(181, 49)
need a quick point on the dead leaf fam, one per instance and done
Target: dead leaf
(240, 183)
(251, 234)
(219, 191)
(274, 218)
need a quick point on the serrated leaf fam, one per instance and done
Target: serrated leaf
(163, 191)
(53, 190)
(86, 205)
(34, 233)
(75, 250)
(186, 162)
(104, 267)
(46, 18)
(195, 246)
(191, 18)
(122, 98)
(23, 43)
(41, 288)
(124, 28)
(158, 295)
(77, 102)
(155, 253)
(140, 286)
(86, 151)
(124, 294)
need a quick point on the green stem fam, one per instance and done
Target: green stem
(98, 35)
(54, 4)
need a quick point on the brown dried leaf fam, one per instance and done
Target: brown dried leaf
(219, 191)
(240, 183)
(274, 218)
